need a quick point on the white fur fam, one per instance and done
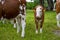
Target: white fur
(58, 19)
(58, 16)
(18, 26)
(3, 20)
(40, 30)
(36, 31)
(21, 7)
(53, 0)
(23, 26)
(54, 5)
(22, 22)
(38, 12)
(3, 2)
(14, 25)
(12, 21)
(58, 23)
(19, 0)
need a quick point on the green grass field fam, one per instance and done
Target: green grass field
(7, 32)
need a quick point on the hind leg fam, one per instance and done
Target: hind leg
(18, 25)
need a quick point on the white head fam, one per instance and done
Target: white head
(39, 11)
(22, 8)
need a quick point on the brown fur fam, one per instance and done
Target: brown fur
(10, 8)
(37, 18)
(57, 6)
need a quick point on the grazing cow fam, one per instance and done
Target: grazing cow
(14, 10)
(39, 17)
(58, 12)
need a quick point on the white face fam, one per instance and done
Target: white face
(22, 8)
(39, 11)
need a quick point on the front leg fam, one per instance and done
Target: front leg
(36, 22)
(14, 23)
(41, 23)
(58, 23)
(58, 18)
(23, 25)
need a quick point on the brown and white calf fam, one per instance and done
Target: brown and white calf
(58, 12)
(14, 10)
(39, 17)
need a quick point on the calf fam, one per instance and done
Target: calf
(14, 9)
(39, 17)
(58, 12)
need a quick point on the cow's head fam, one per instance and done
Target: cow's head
(22, 8)
(39, 11)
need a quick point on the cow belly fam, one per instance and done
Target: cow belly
(11, 9)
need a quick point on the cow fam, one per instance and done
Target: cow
(58, 12)
(14, 10)
(39, 17)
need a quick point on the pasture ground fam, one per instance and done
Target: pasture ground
(7, 32)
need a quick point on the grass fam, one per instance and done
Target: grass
(7, 32)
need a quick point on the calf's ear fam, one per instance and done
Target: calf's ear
(34, 9)
(44, 9)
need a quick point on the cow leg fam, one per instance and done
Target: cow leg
(36, 22)
(58, 23)
(18, 26)
(23, 25)
(41, 24)
(54, 7)
(14, 23)
(3, 20)
(58, 19)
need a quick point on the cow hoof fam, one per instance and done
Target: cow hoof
(14, 26)
(17, 31)
(36, 31)
(58, 25)
(22, 35)
(40, 30)
(53, 9)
